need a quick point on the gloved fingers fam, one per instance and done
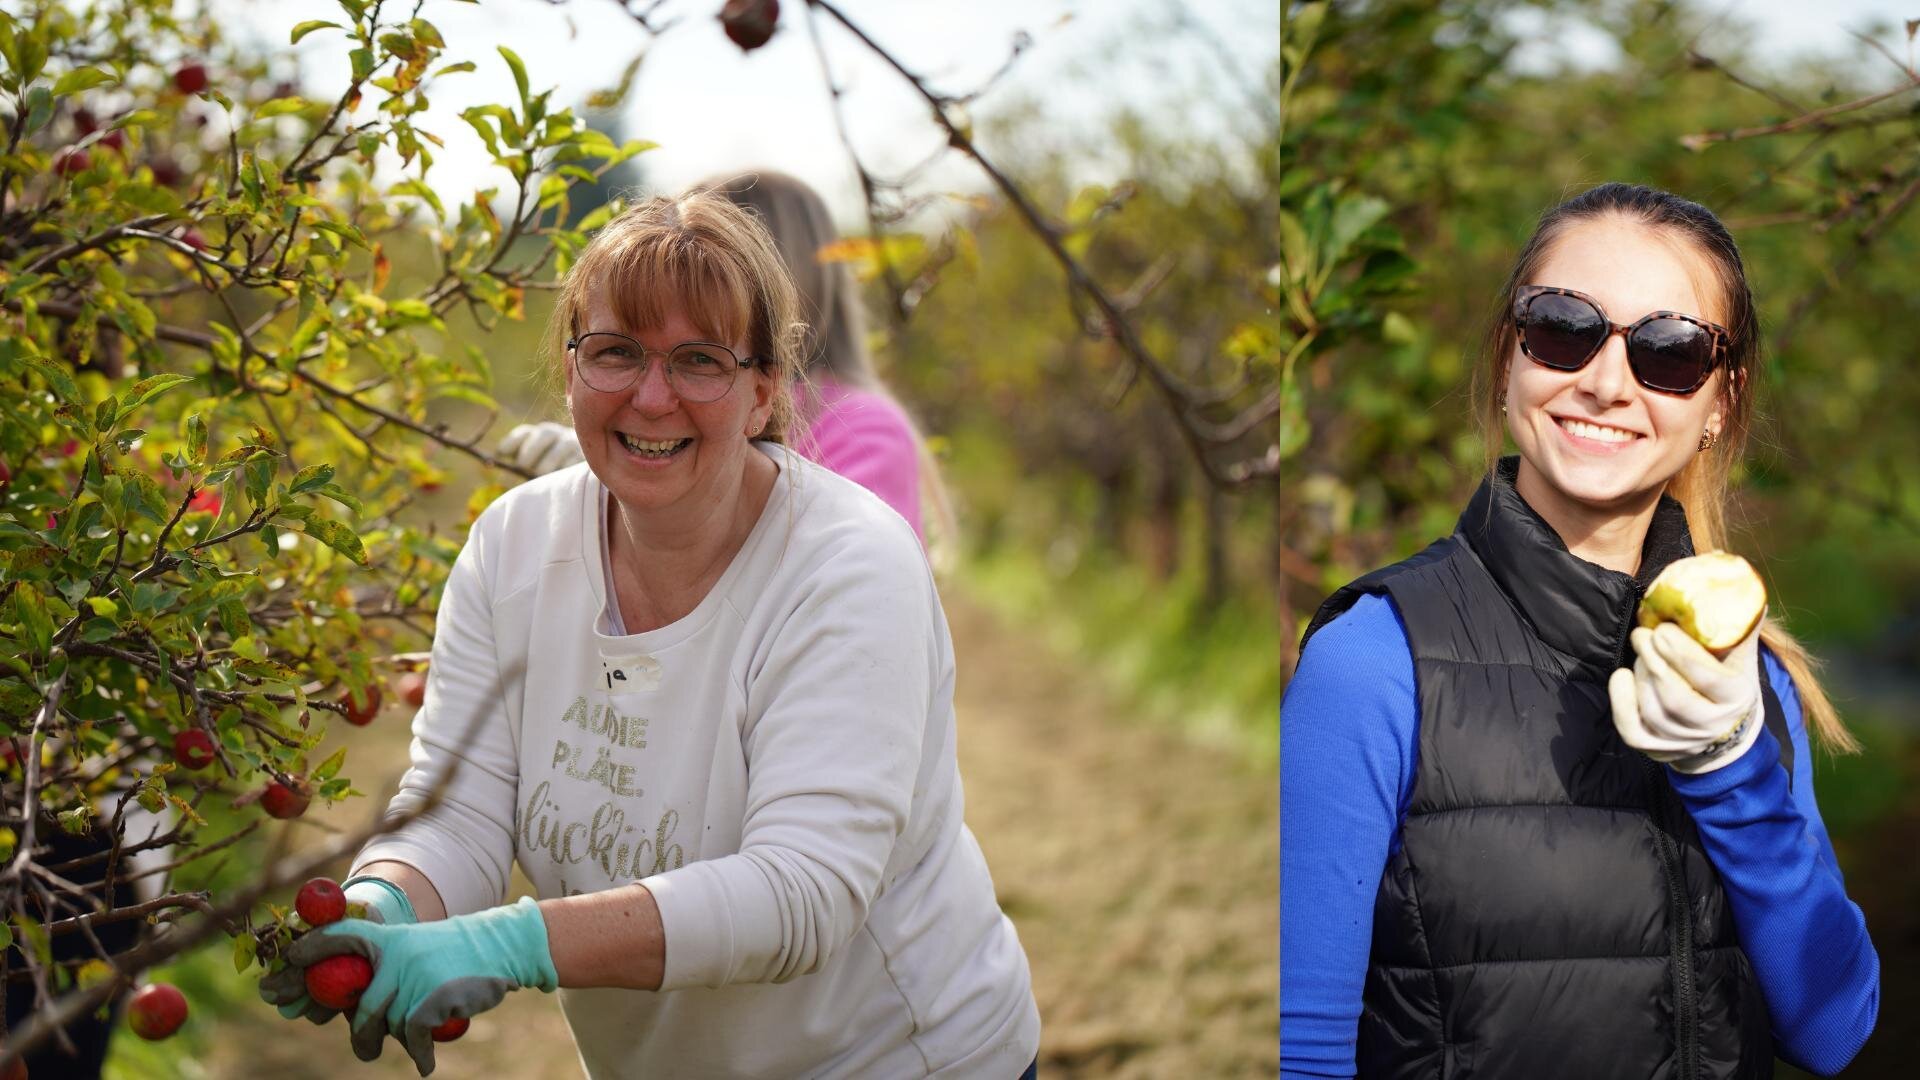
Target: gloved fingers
(418, 1041)
(1673, 695)
(560, 449)
(317, 1013)
(510, 445)
(1630, 715)
(369, 1028)
(337, 939)
(1700, 668)
(284, 986)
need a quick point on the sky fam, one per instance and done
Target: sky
(712, 108)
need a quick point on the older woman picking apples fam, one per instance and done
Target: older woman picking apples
(1522, 834)
(700, 689)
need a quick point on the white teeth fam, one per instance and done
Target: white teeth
(644, 447)
(1596, 432)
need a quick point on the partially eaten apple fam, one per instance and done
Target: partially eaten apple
(1717, 598)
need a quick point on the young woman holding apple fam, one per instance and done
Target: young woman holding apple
(700, 689)
(845, 419)
(1518, 838)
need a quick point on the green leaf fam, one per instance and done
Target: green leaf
(466, 392)
(147, 389)
(197, 439)
(79, 79)
(329, 768)
(338, 537)
(362, 63)
(6, 935)
(31, 609)
(280, 107)
(450, 69)
(519, 73)
(421, 190)
(58, 380)
(243, 947)
(309, 27)
(103, 606)
(311, 477)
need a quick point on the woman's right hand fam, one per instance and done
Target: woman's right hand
(286, 985)
(542, 448)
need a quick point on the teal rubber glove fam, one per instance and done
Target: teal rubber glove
(424, 974)
(286, 986)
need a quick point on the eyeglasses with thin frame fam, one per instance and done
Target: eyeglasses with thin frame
(1668, 351)
(698, 371)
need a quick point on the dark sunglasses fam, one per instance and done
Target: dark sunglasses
(1667, 351)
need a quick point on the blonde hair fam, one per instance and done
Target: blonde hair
(699, 255)
(1701, 487)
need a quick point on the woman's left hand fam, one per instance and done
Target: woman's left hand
(1680, 705)
(425, 974)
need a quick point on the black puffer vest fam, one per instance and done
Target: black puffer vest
(1550, 912)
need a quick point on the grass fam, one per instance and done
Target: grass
(1212, 674)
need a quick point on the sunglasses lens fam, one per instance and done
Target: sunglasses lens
(1561, 331)
(1670, 354)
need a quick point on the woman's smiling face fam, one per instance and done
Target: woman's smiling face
(690, 455)
(1595, 438)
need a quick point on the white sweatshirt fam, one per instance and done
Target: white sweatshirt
(777, 768)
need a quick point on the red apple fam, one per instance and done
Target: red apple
(413, 688)
(320, 902)
(157, 1011)
(6, 474)
(337, 981)
(190, 78)
(85, 122)
(114, 140)
(204, 501)
(70, 161)
(362, 709)
(167, 172)
(193, 748)
(286, 801)
(194, 240)
(455, 1027)
(749, 23)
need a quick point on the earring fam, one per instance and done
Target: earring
(1503, 406)
(1707, 439)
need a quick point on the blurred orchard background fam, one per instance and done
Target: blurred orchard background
(1421, 140)
(275, 277)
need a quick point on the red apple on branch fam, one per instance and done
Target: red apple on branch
(320, 901)
(286, 799)
(363, 706)
(749, 23)
(157, 1011)
(193, 748)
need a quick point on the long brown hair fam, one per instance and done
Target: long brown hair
(1701, 487)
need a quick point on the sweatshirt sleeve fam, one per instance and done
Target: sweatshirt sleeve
(1807, 942)
(866, 438)
(1348, 738)
(464, 846)
(837, 712)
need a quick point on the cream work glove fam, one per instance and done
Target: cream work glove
(541, 448)
(1680, 705)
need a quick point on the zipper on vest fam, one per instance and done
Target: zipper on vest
(1686, 1009)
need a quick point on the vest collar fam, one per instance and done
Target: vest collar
(1581, 609)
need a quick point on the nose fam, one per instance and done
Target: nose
(653, 393)
(1607, 376)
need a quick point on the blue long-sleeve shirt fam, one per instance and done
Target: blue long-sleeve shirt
(1349, 736)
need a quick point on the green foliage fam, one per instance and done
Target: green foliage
(218, 405)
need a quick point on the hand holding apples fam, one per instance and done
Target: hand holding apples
(1692, 698)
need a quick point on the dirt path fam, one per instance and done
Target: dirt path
(1140, 869)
